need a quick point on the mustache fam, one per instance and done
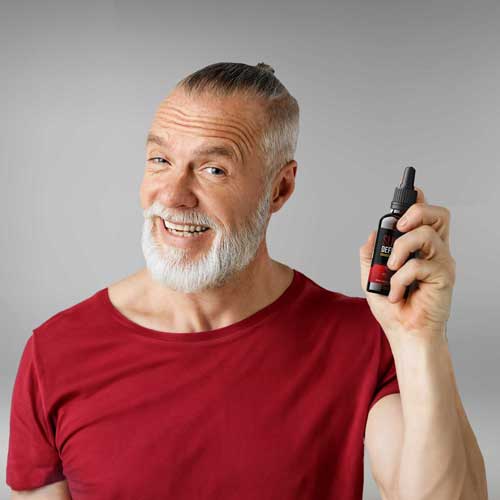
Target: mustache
(194, 219)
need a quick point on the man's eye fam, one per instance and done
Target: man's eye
(162, 160)
(219, 169)
(156, 158)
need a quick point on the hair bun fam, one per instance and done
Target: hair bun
(265, 67)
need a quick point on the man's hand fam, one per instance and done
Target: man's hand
(427, 308)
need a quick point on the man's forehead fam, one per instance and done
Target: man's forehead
(233, 107)
(225, 120)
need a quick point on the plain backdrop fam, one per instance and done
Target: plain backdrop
(381, 85)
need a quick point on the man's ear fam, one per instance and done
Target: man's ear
(285, 187)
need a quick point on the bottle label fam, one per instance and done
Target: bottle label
(379, 272)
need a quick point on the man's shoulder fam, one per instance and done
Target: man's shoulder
(84, 315)
(329, 297)
(81, 311)
(348, 314)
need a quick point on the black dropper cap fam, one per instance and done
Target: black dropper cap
(405, 195)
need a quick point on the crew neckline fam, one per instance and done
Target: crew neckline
(208, 336)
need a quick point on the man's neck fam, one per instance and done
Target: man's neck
(152, 305)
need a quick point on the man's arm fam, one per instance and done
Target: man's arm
(420, 443)
(53, 491)
(475, 485)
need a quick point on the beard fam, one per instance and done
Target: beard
(229, 252)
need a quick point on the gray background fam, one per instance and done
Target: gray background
(381, 85)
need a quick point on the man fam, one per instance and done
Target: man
(217, 372)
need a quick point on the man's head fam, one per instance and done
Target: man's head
(219, 154)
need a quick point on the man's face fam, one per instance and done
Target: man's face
(203, 168)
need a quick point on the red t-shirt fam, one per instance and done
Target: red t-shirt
(273, 406)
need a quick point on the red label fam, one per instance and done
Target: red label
(380, 273)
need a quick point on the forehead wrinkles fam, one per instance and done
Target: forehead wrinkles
(243, 132)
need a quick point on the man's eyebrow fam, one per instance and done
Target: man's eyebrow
(156, 139)
(206, 150)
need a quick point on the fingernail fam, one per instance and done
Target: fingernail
(402, 222)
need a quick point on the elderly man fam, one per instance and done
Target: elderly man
(219, 373)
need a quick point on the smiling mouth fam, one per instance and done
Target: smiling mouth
(186, 234)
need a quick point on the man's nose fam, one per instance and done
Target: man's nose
(177, 189)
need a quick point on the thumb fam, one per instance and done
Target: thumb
(365, 257)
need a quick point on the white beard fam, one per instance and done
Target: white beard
(229, 253)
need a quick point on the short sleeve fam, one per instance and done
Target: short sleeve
(32, 459)
(387, 382)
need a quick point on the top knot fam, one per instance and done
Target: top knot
(265, 67)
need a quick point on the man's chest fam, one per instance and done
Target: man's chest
(269, 432)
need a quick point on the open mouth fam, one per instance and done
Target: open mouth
(192, 232)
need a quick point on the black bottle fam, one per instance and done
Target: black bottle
(404, 196)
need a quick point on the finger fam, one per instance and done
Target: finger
(366, 250)
(419, 214)
(423, 239)
(420, 270)
(420, 195)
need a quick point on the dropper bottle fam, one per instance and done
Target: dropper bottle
(404, 196)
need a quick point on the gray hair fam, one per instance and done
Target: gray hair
(278, 140)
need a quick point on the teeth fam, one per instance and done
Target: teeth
(178, 227)
(186, 234)
(186, 231)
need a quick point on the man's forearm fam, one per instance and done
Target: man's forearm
(475, 485)
(436, 455)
